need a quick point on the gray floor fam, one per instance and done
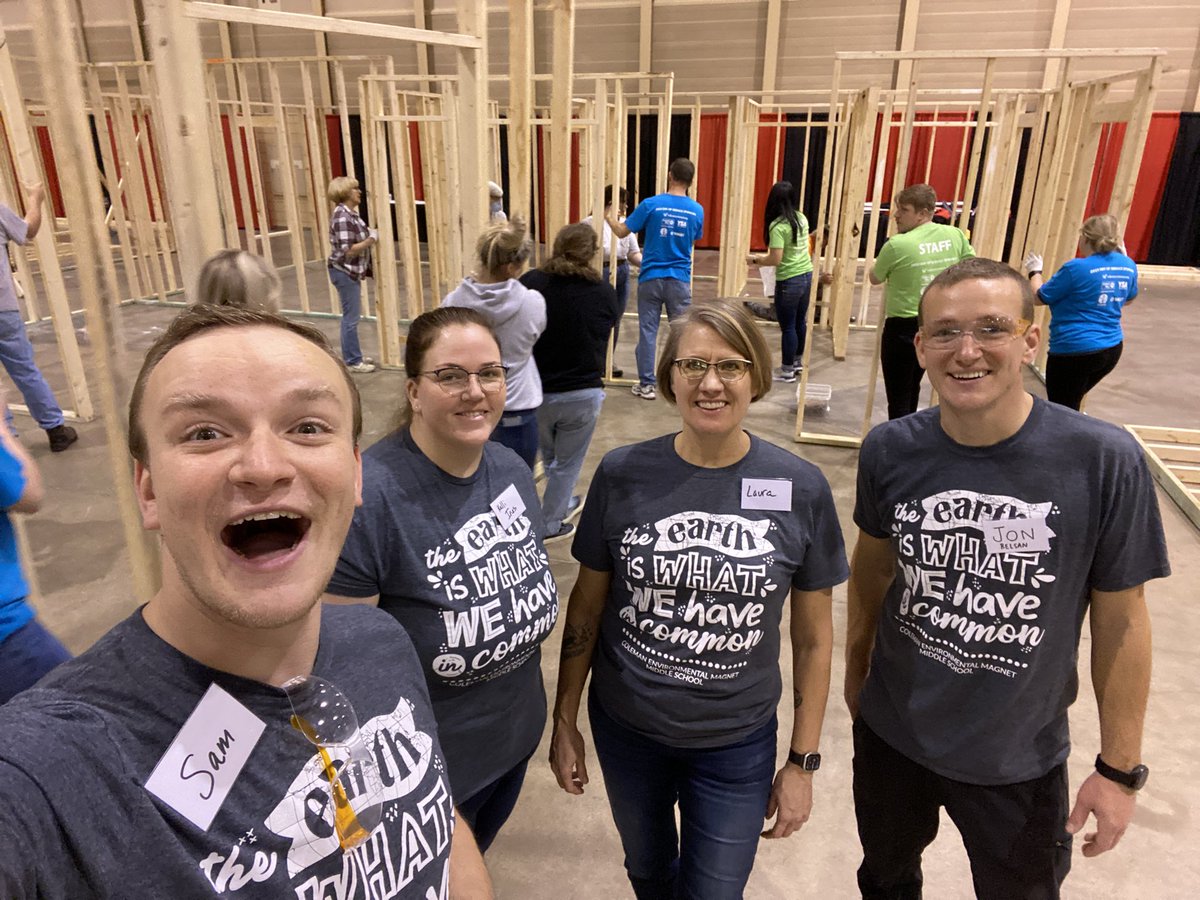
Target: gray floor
(559, 847)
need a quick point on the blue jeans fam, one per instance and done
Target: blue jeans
(349, 293)
(488, 809)
(652, 294)
(722, 794)
(518, 430)
(791, 308)
(622, 288)
(17, 355)
(25, 656)
(565, 425)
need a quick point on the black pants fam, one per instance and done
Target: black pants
(1014, 833)
(901, 372)
(1069, 376)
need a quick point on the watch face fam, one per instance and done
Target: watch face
(812, 762)
(1138, 776)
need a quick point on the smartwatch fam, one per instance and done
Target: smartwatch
(809, 762)
(1134, 779)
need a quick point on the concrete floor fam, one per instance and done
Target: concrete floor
(559, 847)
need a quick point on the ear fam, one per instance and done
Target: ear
(919, 346)
(410, 391)
(1033, 339)
(143, 485)
(358, 481)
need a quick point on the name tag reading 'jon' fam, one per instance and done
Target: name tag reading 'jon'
(508, 506)
(766, 493)
(1014, 535)
(198, 770)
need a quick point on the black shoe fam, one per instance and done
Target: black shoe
(61, 437)
(564, 532)
(618, 373)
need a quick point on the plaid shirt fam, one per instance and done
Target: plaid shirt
(345, 230)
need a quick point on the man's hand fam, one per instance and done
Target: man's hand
(751, 259)
(35, 193)
(1111, 804)
(469, 878)
(567, 757)
(791, 801)
(1033, 263)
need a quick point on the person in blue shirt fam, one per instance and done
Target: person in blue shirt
(27, 650)
(672, 223)
(1085, 296)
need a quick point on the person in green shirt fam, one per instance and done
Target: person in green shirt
(919, 251)
(786, 232)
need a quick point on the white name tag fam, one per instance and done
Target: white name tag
(1015, 535)
(766, 493)
(199, 768)
(508, 506)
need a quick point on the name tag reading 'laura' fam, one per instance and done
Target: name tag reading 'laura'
(1014, 535)
(198, 770)
(508, 506)
(766, 493)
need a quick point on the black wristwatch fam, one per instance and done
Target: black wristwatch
(809, 762)
(1134, 779)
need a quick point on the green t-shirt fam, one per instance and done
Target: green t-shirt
(796, 260)
(909, 261)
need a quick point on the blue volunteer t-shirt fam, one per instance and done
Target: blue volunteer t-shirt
(672, 224)
(14, 611)
(1086, 296)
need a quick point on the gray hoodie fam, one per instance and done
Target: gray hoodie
(519, 317)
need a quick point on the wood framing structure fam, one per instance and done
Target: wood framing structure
(1173, 455)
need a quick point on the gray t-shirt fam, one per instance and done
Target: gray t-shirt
(688, 653)
(12, 228)
(76, 751)
(997, 549)
(477, 600)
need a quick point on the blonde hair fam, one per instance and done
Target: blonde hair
(734, 326)
(340, 189)
(1102, 233)
(241, 279)
(503, 244)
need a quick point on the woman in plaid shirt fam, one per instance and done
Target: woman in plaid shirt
(349, 263)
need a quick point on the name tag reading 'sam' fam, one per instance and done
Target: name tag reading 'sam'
(766, 493)
(200, 767)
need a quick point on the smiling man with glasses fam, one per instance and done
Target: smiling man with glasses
(990, 525)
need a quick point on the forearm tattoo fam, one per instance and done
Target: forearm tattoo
(577, 639)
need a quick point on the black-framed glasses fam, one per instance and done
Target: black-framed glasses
(454, 379)
(990, 331)
(694, 369)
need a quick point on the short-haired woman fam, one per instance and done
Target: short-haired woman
(238, 278)
(518, 316)
(449, 541)
(1085, 296)
(349, 263)
(690, 546)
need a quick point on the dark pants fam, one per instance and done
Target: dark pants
(25, 656)
(518, 430)
(722, 795)
(488, 809)
(622, 288)
(791, 309)
(1014, 833)
(1069, 376)
(901, 372)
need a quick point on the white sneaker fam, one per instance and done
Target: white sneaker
(645, 391)
(574, 508)
(362, 368)
(784, 373)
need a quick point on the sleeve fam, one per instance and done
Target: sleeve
(631, 243)
(538, 302)
(867, 514)
(12, 227)
(359, 570)
(777, 240)
(825, 560)
(636, 220)
(1058, 287)
(32, 841)
(1133, 281)
(12, 478)
(699, 223)
(1130, 548)
(589, 547)
(885, 261)
(968, 252)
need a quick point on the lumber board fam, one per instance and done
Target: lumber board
(1185, 498)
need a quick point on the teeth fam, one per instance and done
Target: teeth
(970, 376)
(265, 517)
(711, 404)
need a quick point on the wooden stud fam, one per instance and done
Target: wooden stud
(981, 120)
(562, 62)
(470, 104)
(138, 184)
(520, 102)
(288, 176)
(257, 179)
(1185, 498)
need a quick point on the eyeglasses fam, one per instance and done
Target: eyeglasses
(455, 379)
(992, 331)
(728, 370)
(323, 714)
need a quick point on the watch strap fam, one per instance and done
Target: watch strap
(809, 762)
(1134, 779)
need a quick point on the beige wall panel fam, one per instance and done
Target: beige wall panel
(606, 40)
(709, 47)
(811, 34)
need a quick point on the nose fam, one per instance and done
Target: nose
(474, 389)
(711, 380)
(263, 461)
(968, 347)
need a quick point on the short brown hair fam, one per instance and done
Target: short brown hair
(340, 188)
(196, 320)
(423, 331)
(682, 171)
(238, 278)
(735, 327)
(920, 197)
(574, 248)
(977, 268)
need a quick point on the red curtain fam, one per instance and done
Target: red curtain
(710, 176)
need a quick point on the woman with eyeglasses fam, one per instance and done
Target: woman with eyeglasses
(518, 316)
(449, 540)
(690, 546)
(1086, 296)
